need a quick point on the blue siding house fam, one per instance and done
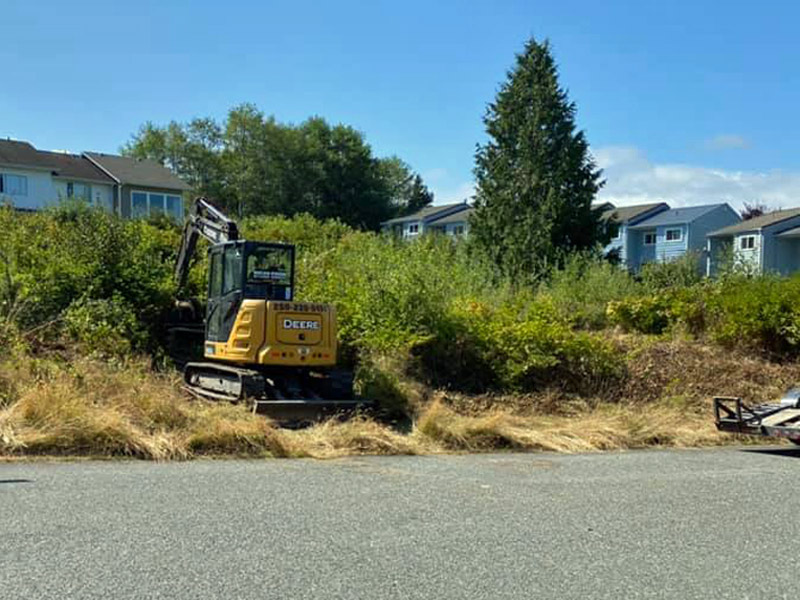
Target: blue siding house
(766, 244)
(618, 222)
(672, 233)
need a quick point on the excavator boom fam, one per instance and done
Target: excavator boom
(207, 221)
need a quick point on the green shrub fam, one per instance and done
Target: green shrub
(681, 272)
(529, 346)
(760, 313)
(107, 326)
(646, 314)
(582, 289)
(56, 257)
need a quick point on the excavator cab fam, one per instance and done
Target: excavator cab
(242, 270)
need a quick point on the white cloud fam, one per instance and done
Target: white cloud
(727, 142)
(453, 194)
(632, 179)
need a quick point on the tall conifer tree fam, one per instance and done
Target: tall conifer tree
(535, 176)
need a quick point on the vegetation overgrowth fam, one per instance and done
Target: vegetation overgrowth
(431, 330)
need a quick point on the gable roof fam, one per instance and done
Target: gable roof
(73, 166)
(677, 216)
(428, 212)
(135, 171)
(460, 216)
(790, 233)
(757, 223)
(625, 214)
(13, 152)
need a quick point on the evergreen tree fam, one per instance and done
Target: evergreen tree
(535, 177)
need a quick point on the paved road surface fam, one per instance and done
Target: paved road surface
(679, 524)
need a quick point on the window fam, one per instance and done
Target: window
(156, 204)
(79, 190)
(175, 207)
(139, 206)
(413, 228)
(14, 185)
(458, 230)
(215, 280)
(748, 242)
(269, 272)
(232, 273)
(674, 235)
(150, 204)
(614, 231)
(650, 238)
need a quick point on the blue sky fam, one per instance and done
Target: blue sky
(689, 102)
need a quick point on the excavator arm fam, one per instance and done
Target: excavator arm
(205, 220)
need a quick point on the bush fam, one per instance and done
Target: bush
(528, 346)
(107, 327)
(646, 314)
(761, 313)
(682, 272)
(582, 290)
(58, 257)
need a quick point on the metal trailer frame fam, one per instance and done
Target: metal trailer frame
(767, 420)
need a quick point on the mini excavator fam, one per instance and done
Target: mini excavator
(260, 345)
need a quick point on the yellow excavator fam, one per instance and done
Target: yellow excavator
(260, 345)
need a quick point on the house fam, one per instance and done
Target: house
(617, 220)
(769, 243)
(32, 179)
(673, 233)
(143, 187)
(423, 220)
(455, 224)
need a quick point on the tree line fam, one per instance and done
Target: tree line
(535, 176)
(251, 164)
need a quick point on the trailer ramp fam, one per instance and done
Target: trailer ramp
(778, 420)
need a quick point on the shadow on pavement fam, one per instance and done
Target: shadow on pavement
(2, 481)
(787, 452)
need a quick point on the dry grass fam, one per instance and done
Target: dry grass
(608, 427)
(88, 408)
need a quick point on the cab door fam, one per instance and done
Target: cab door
(213, 312)
(226, 275)
(232, 289)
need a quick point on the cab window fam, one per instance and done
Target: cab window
(215, 279)
(232, 278)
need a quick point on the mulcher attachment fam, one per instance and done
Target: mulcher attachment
(285, 397)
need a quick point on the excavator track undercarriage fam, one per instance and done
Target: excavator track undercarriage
(299, 397)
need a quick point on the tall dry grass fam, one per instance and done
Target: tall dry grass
(85, 407)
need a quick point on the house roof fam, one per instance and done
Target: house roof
(426, 213)
(757, 223)
(13, 152)
(136, 171)
(624, 214)
(677, 216)
(794, 232)
(73, 166)
(457, 217)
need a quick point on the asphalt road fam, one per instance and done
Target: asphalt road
(673, 524)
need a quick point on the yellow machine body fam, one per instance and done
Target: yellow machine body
(279, 334)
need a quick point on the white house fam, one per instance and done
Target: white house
(32, 179)
(447, 218)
